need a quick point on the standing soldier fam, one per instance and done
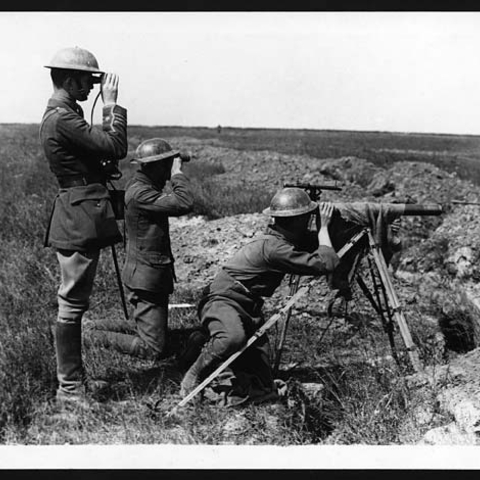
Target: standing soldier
(82, 220)
(231, 308)
(148, 272)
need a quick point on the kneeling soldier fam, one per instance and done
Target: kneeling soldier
(231, 306)
(148, 272)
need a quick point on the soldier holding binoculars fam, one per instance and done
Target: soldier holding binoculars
(82, 220)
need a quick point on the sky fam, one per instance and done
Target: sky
(387, 71)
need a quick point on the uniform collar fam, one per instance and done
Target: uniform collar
(144, 178)
(61, 98)
(281, 232)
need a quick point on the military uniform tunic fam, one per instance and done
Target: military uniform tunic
(149, 262)
(83, 216)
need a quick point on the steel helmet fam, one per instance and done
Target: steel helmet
(75, 58)
(153, 150)
(290, 202)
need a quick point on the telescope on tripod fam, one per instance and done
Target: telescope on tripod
(359, 234)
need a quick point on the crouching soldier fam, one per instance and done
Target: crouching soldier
(231, 308)
(82, 220)
(148, 273)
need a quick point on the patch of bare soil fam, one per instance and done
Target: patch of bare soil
(436, 275)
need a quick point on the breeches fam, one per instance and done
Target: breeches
(77, 271)
(229, 332)
(150, 312)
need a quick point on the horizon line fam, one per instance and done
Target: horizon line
(226, 127)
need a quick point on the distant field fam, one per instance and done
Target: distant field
(453, 153)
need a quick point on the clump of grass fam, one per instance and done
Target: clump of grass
(371, 405)
(215, 200)
(29, 382)
(201, 170)
(27, 365)
(309, 419)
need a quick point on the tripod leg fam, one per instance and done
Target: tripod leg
(394, 303)
(294, 281)
(369, 296)
(387, 320)
(119, 281)
(387, 324)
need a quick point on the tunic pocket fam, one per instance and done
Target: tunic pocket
(92, 214)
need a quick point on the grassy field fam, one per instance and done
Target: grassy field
(362, 405)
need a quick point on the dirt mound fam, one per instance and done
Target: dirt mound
(202, 246)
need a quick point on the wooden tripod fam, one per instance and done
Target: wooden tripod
(384, 299)
(387, 304)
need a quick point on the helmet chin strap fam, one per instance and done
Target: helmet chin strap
(81, 91)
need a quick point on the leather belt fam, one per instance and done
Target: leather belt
(76, 181)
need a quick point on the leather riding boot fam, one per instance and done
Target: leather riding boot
(203, 366)
(68, 349)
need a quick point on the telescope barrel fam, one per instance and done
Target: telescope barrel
(403, 209)
(419, 209)
(317, 187)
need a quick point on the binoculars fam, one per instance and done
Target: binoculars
(97, 79)
(185, 156)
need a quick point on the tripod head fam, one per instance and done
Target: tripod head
(313, 191)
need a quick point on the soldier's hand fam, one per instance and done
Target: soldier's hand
(109, 88)
(326, 212)
(395, 226)
(176, 166)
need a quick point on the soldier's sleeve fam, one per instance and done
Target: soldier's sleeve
(286, 258)
(177, 203)
(109, 143)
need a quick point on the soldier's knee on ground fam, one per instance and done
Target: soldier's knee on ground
(227, 345)
(227, 334)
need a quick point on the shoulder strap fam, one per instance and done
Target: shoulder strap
(48, 114)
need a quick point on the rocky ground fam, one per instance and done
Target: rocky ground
(438, 265)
